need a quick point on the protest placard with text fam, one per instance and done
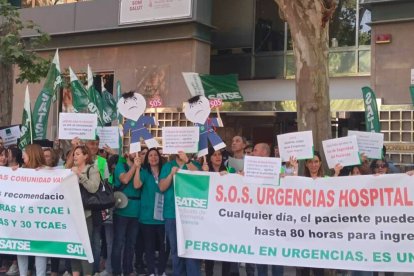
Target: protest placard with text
(343, 151)
(177, 139)
(108, 136)
(81, 125)
(296, 144)
(10, 135)
(264, 170)
(369, 143)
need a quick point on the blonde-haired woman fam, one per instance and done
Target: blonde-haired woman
(32, 159)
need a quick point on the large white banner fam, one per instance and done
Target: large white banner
(139, 11)
(41, 214)
(353, 222)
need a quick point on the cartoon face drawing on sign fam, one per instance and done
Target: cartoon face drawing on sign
(197, 109)
(131, 105)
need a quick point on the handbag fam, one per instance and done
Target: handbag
(102, 199)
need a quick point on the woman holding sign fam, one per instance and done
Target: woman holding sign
(33, 158)
(151, 218)
(314, 169)
(215, 163)
(89, 178)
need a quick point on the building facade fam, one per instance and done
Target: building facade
(248, 37)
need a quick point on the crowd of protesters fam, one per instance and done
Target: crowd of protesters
(133, 240)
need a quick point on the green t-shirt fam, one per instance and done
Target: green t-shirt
(169, 199)
(148, 191)
(132, 210)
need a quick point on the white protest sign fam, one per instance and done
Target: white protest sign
(10, 135)
(343, 151)
(42, 214)
(177, 139)
(134, 147)
(262, 170)
(237, 164)
(369, 143)
(296, 144)
(412, 76)
(351, 222)
(108, 136)
(81, 125)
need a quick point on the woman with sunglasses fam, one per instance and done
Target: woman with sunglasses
(89, 179)
(379, 166)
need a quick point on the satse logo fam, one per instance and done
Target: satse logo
(191, 190)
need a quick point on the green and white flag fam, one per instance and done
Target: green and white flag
(109, 104)
(412, 93)
(79, 94)
(96, 104)
(371, 110)
(26, 130)
(223, 87)
(42, 105)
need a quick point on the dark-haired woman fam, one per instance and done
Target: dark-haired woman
(314, 169)
(14, 157)
(152, 224)
(215, 163)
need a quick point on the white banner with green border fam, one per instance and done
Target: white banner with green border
(41, 214)
(352, 223)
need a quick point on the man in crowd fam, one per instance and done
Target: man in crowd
(238, 144)
(263, 150)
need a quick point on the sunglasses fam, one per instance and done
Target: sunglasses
(382, 166)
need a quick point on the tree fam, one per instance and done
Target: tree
(308, 22)
(15, 50)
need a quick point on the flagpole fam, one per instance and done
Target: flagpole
(31, 129)
(31, 119)
(57, 114)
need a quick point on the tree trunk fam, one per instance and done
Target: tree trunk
(308, 21)
(6, 94)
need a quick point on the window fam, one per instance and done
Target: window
(364, 32)
(342, 27)
(269, 28)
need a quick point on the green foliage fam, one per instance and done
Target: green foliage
(14, 49)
